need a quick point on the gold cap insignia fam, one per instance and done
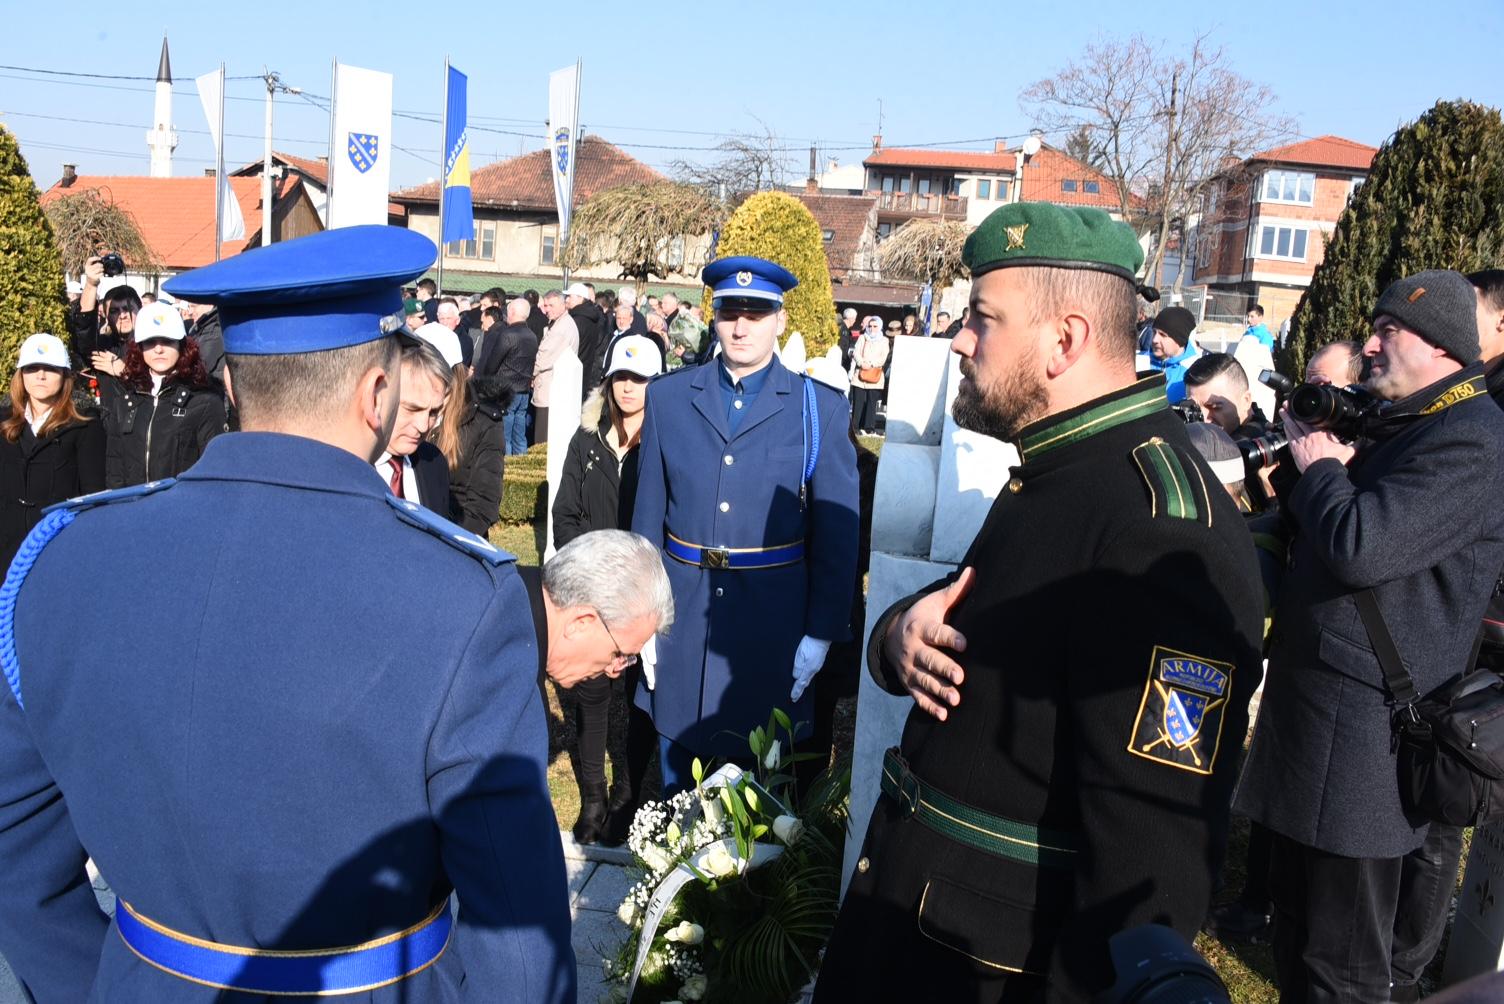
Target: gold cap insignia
(1016, 236)
(744, 278)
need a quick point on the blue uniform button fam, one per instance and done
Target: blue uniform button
(728, 459)
(737, 405)
(725, 507)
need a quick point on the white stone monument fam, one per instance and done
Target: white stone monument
(563, 419)
(935, 483)
(1477, 943)
(794, 355)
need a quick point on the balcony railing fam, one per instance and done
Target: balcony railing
(922, 204)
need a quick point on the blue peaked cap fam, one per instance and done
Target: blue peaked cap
(329, 290)
(747, 278)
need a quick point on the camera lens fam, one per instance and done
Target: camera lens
(1322, 406)
(1263, 451)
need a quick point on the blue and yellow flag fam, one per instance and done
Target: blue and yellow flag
(459, 216)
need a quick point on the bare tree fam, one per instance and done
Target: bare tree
(648, 229)
(1080, 145)
(88, 222)
(745, 164)
(925, 250)
(1166, 125)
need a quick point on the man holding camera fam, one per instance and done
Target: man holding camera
(1408, 511)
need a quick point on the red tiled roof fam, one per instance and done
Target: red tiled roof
(526, 182)
(953, 160)
(316, 171)
(846, 216)
(1041, 177)
(1323, 151)
(174, 215)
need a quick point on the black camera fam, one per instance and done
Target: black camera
(1155, 965)
(1263, 451)
(1189, 411)
(1342, 411)
(113, 264)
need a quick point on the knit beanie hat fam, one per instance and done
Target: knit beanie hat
(1440, 306)
(1178, 323)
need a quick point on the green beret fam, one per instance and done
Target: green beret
(1046, 235)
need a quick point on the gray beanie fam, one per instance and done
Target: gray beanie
(1440, 306)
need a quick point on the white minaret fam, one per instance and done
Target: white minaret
(162, 139)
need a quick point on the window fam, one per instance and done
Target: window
(1001, 191)
(1091, 187)
(827, 235)
(954, 188)
(984, 188)
(674, 254)
(903, 184)
(549, 254)
(924, 185)
(1289, 186)
(482, 245)
(1352, 186)
(1283, 242)
(888, 183)
(1068, 185)
(883, 230)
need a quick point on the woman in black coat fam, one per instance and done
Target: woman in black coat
(160, 410)
(49, 449)
(596, 490)
(473, 439)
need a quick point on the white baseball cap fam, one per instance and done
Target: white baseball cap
(159, 320)
(45, 350)
(446, 341)
(579, 289)
(635, 354)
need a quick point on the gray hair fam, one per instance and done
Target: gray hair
(616, 572)
(627, 295)
(667, 297)
(426, 358)
(518, 310)
(554, 294)
(448, 309)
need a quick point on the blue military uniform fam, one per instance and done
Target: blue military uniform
(292, 749)
(758, 554)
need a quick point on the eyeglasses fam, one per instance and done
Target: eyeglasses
(619, 658)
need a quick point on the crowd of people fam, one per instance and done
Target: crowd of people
(1053, 786)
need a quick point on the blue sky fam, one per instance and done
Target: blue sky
(682, 75)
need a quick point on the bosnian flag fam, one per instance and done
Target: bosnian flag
(459, 214)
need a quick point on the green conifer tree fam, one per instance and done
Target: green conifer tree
(31, 270)
(778, 227)
(1434, 198)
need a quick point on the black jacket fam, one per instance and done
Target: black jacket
(432, 471)
(508, 359)
(1416, 517)
(210, 336)
(1111, 573)
(594, 492)
(475, 483)
(537, 322)
(152, 437)
(593, 337)
(36, 473)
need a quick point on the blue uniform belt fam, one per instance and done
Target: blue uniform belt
(320, 972)
(735, 558)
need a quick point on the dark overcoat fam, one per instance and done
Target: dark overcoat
(325, 719)
(729, 658)
(36, 473)
(1112, 645)
(1415, 516)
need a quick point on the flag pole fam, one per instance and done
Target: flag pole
(329, 164)
(443, 171)
(220, 186)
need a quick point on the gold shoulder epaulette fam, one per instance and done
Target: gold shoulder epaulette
(1176, 487)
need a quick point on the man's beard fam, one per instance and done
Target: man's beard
(1001, 409)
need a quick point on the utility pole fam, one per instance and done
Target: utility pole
(1171, 142)
(273, 85)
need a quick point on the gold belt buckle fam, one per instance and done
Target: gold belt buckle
(715, 557)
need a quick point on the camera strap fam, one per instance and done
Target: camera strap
(1401, 687)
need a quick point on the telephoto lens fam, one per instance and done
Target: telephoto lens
(1323, 406)
(1155, 965)
(1263, 451)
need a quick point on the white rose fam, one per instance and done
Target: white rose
(788, 829)
(656, 859)
(774, 756)
(720, 862)
(627, 912)
(714, 813)
(689, 934)
(694, 988)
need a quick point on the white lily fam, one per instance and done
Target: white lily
(774, 755)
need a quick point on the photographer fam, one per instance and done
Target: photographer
(1219, 386)
(1411, 513)
(103, 325)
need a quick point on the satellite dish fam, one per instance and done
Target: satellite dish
(1031, 146)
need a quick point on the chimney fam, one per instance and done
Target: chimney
(70, 175)
(877, 142)
(999, 146)
(208, 172)
(812, 183)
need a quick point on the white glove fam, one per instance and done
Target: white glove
(648, 657)
(807, 662)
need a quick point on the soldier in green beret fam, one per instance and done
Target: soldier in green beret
(1081, 685)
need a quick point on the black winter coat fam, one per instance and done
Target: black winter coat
(36, 473)
(1415, 516)
(593, 337)
(595, 493)
(149, 438)
(475, 483)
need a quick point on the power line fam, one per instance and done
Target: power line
(97, 76)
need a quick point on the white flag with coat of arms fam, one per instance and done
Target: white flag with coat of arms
(211, 87)
(563, 138)
(360, 161)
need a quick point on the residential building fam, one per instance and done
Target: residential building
(1051, 175)
(942, 184)
(1265, 222)
(176, 215)
(313, 174)
(516, 236)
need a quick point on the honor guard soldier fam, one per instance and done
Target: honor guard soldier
(1081, 683)
(284, 778)
(748, 480)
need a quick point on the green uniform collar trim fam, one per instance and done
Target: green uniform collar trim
(1141, 398)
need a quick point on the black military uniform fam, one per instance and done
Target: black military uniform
(1081, 786)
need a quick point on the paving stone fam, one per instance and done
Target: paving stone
(607, 887)
(578, 872)
(596, 935)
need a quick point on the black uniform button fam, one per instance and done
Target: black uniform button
(862, 865)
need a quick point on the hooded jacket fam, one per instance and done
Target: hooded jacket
(594, 333)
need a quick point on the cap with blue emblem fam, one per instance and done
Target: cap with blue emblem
(328, 290)
(748, 281)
